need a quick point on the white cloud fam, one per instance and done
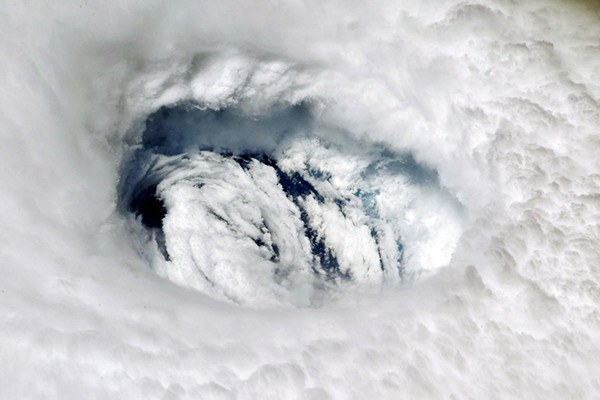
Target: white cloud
(501, 99)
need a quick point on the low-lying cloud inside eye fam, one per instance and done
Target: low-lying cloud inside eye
(307, 217)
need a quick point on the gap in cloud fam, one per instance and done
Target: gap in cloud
(267, 210)
(176, 130)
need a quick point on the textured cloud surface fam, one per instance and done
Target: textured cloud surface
(468, 131)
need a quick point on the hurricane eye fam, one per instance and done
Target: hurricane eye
(270, 209)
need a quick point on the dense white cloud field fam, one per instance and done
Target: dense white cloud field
(364, 200)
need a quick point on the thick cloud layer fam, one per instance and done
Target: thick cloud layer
(500, 99)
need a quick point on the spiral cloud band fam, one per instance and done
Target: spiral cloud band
(300, 200)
